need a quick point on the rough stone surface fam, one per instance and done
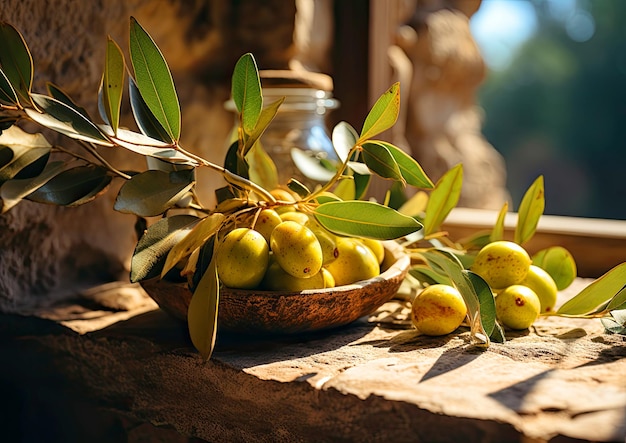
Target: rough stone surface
(561, 381)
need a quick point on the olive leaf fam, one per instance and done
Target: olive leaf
(154, 80)
(616, 323)
(72, 187)
(145, 119)
(246, 92)
(559, 263)
(487, 304)
(262, 170)
(344, 138)
(443, 198)
(155, 243)
(113, 83)
(153, 192)
(530, 211)
(194, 239)
(410, 169)
(16, 63)
(379, 160)
(299, 188)
(8, 96)
(361, 184)
(13, 191)
(202, 312)
(22, 155)
(497, 233)
(598, 295)
(265, 118)
(62, 118)
(365, 219)
(345, 188)
(383, 114)
(426, 274)
(310, 167)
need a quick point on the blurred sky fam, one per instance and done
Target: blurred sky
(501, 26)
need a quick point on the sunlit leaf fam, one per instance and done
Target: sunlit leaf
(154, 80)
(16, 61)
(8, 96)
(265, 119)
(144, 145)
(202, 312)
(113, 83)
(13, 191)
(410, 169)
(145, 119)
(559, 263)
(246, 91)
(64, 119)
(486, 300)
(443, 198)
(379, 160)
(497, 233)
(597, 294)
(445, 262)
(154, 245)
(73, 187)
(415, 205)
(618, 301)
(344, 138)
(262, 170)
(195, 238)
(326, 197)
(530, 211)
(152, 192)
(309, 166)
(365, 219)
(21, 151)
(359, 167)
(345, 189)
(383, 114)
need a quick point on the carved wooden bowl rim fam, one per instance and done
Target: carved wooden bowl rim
(255, 311)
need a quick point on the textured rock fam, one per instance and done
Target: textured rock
(561, 381)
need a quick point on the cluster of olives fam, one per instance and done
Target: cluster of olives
(285, 249)
(522, 292)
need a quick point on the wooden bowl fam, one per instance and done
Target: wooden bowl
(255, 311)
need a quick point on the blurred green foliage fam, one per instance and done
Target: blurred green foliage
(559, 110)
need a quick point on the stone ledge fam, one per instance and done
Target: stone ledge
(563, 381)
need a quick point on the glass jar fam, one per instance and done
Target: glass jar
(300, 123)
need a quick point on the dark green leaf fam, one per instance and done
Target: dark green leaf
(144, 145)
(145, 119)
(156, 242)
(379, 160)
(16, 61)
(151, 193)
(361, 184)
(154, 80)
(113, 83)
(58, 94)
(297, 187)
(365, 219)
(443, 198)
(234, 163)
(383, 114)
(64, 119)
(8, 96)
(73, 187)
(344, 139)
(559, 263)
(13, 191)
(486, 301)
(530, 212)
(202, 312)
(246, 92)
(597, 294)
